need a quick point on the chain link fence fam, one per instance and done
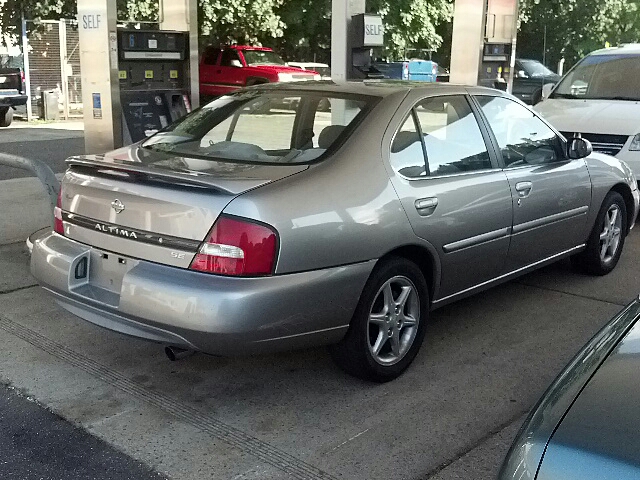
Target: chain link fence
(54, 65)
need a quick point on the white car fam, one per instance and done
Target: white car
(322, 68)
(599, 98)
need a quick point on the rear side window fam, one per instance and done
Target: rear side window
(445, 132)
(264, 127)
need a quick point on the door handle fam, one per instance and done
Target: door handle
(524, 189)
(426, 206)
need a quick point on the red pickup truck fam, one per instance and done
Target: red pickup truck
(225, 69)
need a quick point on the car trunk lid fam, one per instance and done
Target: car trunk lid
(154, 207)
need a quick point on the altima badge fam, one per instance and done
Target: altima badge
(117, 205)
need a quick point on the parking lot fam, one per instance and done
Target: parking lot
(453, 414)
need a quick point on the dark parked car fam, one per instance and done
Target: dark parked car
(529, 77)
(586, 426)
(12, 92)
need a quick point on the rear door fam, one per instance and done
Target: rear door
(452, 189)
(551, 193)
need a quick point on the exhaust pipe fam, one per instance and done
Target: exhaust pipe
(175, 353)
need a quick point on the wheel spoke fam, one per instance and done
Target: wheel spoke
(389, 303)
(408, 321)
(395, 343)
(403, 297)
(604, 234)
(380, 341)
(604, 249)
(612, 217)
(378, 318)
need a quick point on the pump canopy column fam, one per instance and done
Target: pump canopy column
(483, 45)
(99, 65)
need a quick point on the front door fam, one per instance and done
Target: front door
(551, 193)
(454, 193)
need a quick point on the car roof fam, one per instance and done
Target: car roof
(630, 48)
(379, 88)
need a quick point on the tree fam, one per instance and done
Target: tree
(11, 12)
(239, 21)
(412, 24)
(574, 27)
(307, 32)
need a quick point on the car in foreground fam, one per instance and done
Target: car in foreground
(224, 70)
(246, 228)
(598, 99)
(586, 426)
(12, 89)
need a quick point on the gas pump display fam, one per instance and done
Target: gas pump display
(153, 68)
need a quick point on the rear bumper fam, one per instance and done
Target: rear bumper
(12, 100)
(208, 313)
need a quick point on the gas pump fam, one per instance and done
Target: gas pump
(153, 72)
(367, 31)
(496, 65)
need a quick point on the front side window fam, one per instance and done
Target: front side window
(450, 142)
(263, 127)
(523, 138)
(603, 77)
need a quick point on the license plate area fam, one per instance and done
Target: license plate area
(98, 275)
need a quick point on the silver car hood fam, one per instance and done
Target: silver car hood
(600, 435)
(231, 177)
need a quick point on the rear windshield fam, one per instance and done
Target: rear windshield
(603, 77)
(264, 127)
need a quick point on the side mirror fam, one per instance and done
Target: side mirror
(522, 74)
(546, 90)
(579, 148)
(236, 63)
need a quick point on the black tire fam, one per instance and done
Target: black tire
(6, 116)
(354, 353)
(536, 97)
(591, 260)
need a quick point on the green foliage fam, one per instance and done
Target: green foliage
(239, 21)
(575, 27)
(412, 24)
(11, 12)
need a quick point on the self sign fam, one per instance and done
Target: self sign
(91, 22)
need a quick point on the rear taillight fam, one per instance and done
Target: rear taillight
(237, 247)
(57, 215)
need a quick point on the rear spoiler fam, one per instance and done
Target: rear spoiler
(166, 175)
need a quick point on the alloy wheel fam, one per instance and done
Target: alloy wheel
(610, 235)
(393, 320)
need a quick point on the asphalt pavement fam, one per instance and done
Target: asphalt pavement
(36, 444)
(50, 143)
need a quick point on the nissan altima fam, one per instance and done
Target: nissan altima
(246, 227)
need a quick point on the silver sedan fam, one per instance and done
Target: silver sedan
(261, 222)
